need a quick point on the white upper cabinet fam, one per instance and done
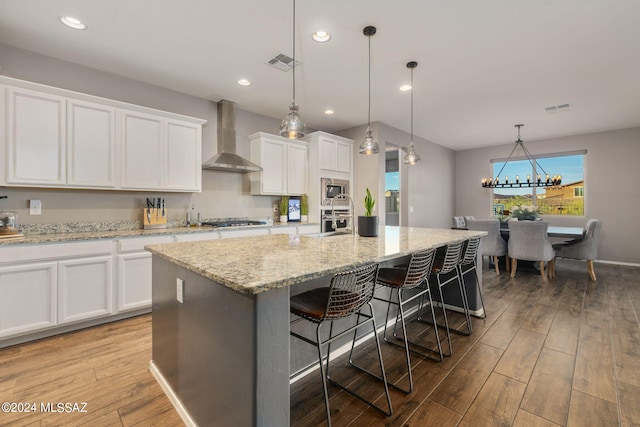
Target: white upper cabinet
(91, 144)
(183, 151)
(284, 165)
(297, 169)
(142, 150)
(35, 138)
(334, 152)
(59, 138)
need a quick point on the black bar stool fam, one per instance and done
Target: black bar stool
(345, 296)
(469, 263)
(400, 280)
(441, 268)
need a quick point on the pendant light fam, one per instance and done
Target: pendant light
(369, 145)
(537, 181)
(411, 158)
(291, 126)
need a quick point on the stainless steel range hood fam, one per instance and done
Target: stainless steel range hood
(227, 159)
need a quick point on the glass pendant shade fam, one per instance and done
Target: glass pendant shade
(411, 158)
(291, 126)
(369, 145)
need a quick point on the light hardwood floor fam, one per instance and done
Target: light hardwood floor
(565, 352)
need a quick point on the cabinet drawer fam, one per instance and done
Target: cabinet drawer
(138, 243)
(54, 251)
(196, 237)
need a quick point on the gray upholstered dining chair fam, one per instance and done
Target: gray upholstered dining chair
(585, 247)
(528, 242)
(493, 244)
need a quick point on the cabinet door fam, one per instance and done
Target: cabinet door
(328, 159)
(91, 145)
(343, 154)
(36, 138)
(84, 288)
(142, 151)
(183, 156)
(296, 169)
(27, 298)
(134, 281)
(273, 167)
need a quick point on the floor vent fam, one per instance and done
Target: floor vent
(283, 62)
(558, 108)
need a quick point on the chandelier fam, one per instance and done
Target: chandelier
(540, 180)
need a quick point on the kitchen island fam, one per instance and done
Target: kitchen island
(222, 354)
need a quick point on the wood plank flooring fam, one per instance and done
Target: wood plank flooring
(561, 353)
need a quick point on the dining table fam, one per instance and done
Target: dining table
(556, 231)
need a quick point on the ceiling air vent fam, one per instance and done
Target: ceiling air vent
(558, 108)
(283, 62)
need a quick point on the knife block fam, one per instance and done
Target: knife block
(153, 218)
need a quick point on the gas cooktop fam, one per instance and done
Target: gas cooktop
(233, 223)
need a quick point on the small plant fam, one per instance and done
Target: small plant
(304, 205)
(284, 205)
(369, 203)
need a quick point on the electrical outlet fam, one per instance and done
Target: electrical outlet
(180, 290)
(35, 207)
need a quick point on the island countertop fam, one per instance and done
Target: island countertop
(252, 265)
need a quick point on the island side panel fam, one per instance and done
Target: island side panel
(205, 347)
(272, 358)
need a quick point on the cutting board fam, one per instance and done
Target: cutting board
(11, 236)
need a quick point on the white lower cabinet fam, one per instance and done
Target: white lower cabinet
(134, 271)
(134, 280)
(27, 298)
(290, 230)
(247, 232)
(84, 288)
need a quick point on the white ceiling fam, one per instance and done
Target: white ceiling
(484, 65)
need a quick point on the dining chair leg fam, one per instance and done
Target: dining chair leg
(508, 261)
(495, 262)
(543, 273)
(592, 272)
(514, 266)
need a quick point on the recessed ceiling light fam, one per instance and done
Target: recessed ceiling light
(244, 82)
(72, 22)
(321, 36)
(405, 88)
(328, 112)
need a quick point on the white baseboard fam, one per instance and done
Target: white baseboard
(168, 391)
(628, 264)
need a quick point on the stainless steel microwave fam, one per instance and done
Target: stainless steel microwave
(331, 188)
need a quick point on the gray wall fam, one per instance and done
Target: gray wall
(426, 187)
(611, 185)
(223, 194)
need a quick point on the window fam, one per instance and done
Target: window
(566, 199)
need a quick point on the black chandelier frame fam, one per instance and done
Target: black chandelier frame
(547, 181)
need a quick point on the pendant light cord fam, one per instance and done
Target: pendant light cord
(293, 69)
(369, 113)
(412, 105)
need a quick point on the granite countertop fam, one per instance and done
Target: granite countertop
(252, 265)
(95, 233)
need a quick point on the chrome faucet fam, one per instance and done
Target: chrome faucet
(334, 217)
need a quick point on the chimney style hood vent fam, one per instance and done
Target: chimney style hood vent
(227, 159)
